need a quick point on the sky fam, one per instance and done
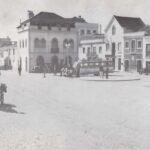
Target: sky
(93, 11)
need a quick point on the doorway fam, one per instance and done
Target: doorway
(139, 65)
(119, 64)
(126, 65)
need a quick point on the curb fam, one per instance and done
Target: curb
(111, 80)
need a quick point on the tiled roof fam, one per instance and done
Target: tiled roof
(52, 19)
(130, 24)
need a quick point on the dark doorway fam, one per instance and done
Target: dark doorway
(119, 64)
(148, 66)
(126, 65)
(113, 53)
(139, 65)
(54, 63)
(40, 61)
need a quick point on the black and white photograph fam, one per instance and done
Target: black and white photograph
(74, 75)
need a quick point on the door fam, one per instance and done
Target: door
(139, 65)
(119, 64)
(126, 65)
(113, 53)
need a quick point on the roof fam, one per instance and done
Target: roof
(52, 19)
(131, 24)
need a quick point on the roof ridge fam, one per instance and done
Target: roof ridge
(126, 17)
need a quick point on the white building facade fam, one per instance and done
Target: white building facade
(93, 47)
(47, 38)
(116, 31)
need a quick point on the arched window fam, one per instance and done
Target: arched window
(26, 43)
(22, 43)
(36, 43)
(113, 30)
(43, 43)
(71, 41)
(54, 46)
(64, 43)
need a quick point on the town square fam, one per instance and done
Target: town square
(75, 75)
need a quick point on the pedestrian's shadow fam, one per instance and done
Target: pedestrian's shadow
(9, 108)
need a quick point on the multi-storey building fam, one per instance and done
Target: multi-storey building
(9, 55)
(93, 47)
(124, 35)
(47, 38)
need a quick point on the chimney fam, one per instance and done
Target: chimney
(30, 14)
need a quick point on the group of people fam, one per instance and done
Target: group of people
(66, 71)
(103, 71)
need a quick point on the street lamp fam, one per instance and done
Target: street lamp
(67, 45)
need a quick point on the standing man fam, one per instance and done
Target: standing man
(19, 70)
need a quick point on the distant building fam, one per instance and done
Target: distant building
(93, 47)
(9, 56)
(47, 38)
(124, 41)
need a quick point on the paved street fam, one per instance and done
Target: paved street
(58, 113)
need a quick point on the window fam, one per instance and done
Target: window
(88, 31)
(100, 49)
(83, 50)
(13, 51)
(133, 44)
(26, 43)
(71, 41)
(94, 31)
(119, 46)
(139, 44)
(22, 43)
(36, 43)
(88, 50)
(113, 30)
(148, 50)
(43, 43)
(126, 44)
(82, 32)
(54, 46)
(107, 47)
(8, 51)
(94, 50)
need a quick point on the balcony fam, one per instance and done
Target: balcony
(54, 50)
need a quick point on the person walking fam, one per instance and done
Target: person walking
(19, 70)
(101, 71)
(44, 71)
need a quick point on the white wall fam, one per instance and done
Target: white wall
(23, 52)
(117, 38)
(91, 45)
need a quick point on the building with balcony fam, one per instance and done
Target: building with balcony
(47, 38)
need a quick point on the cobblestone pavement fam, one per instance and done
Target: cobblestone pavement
(58, 113)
